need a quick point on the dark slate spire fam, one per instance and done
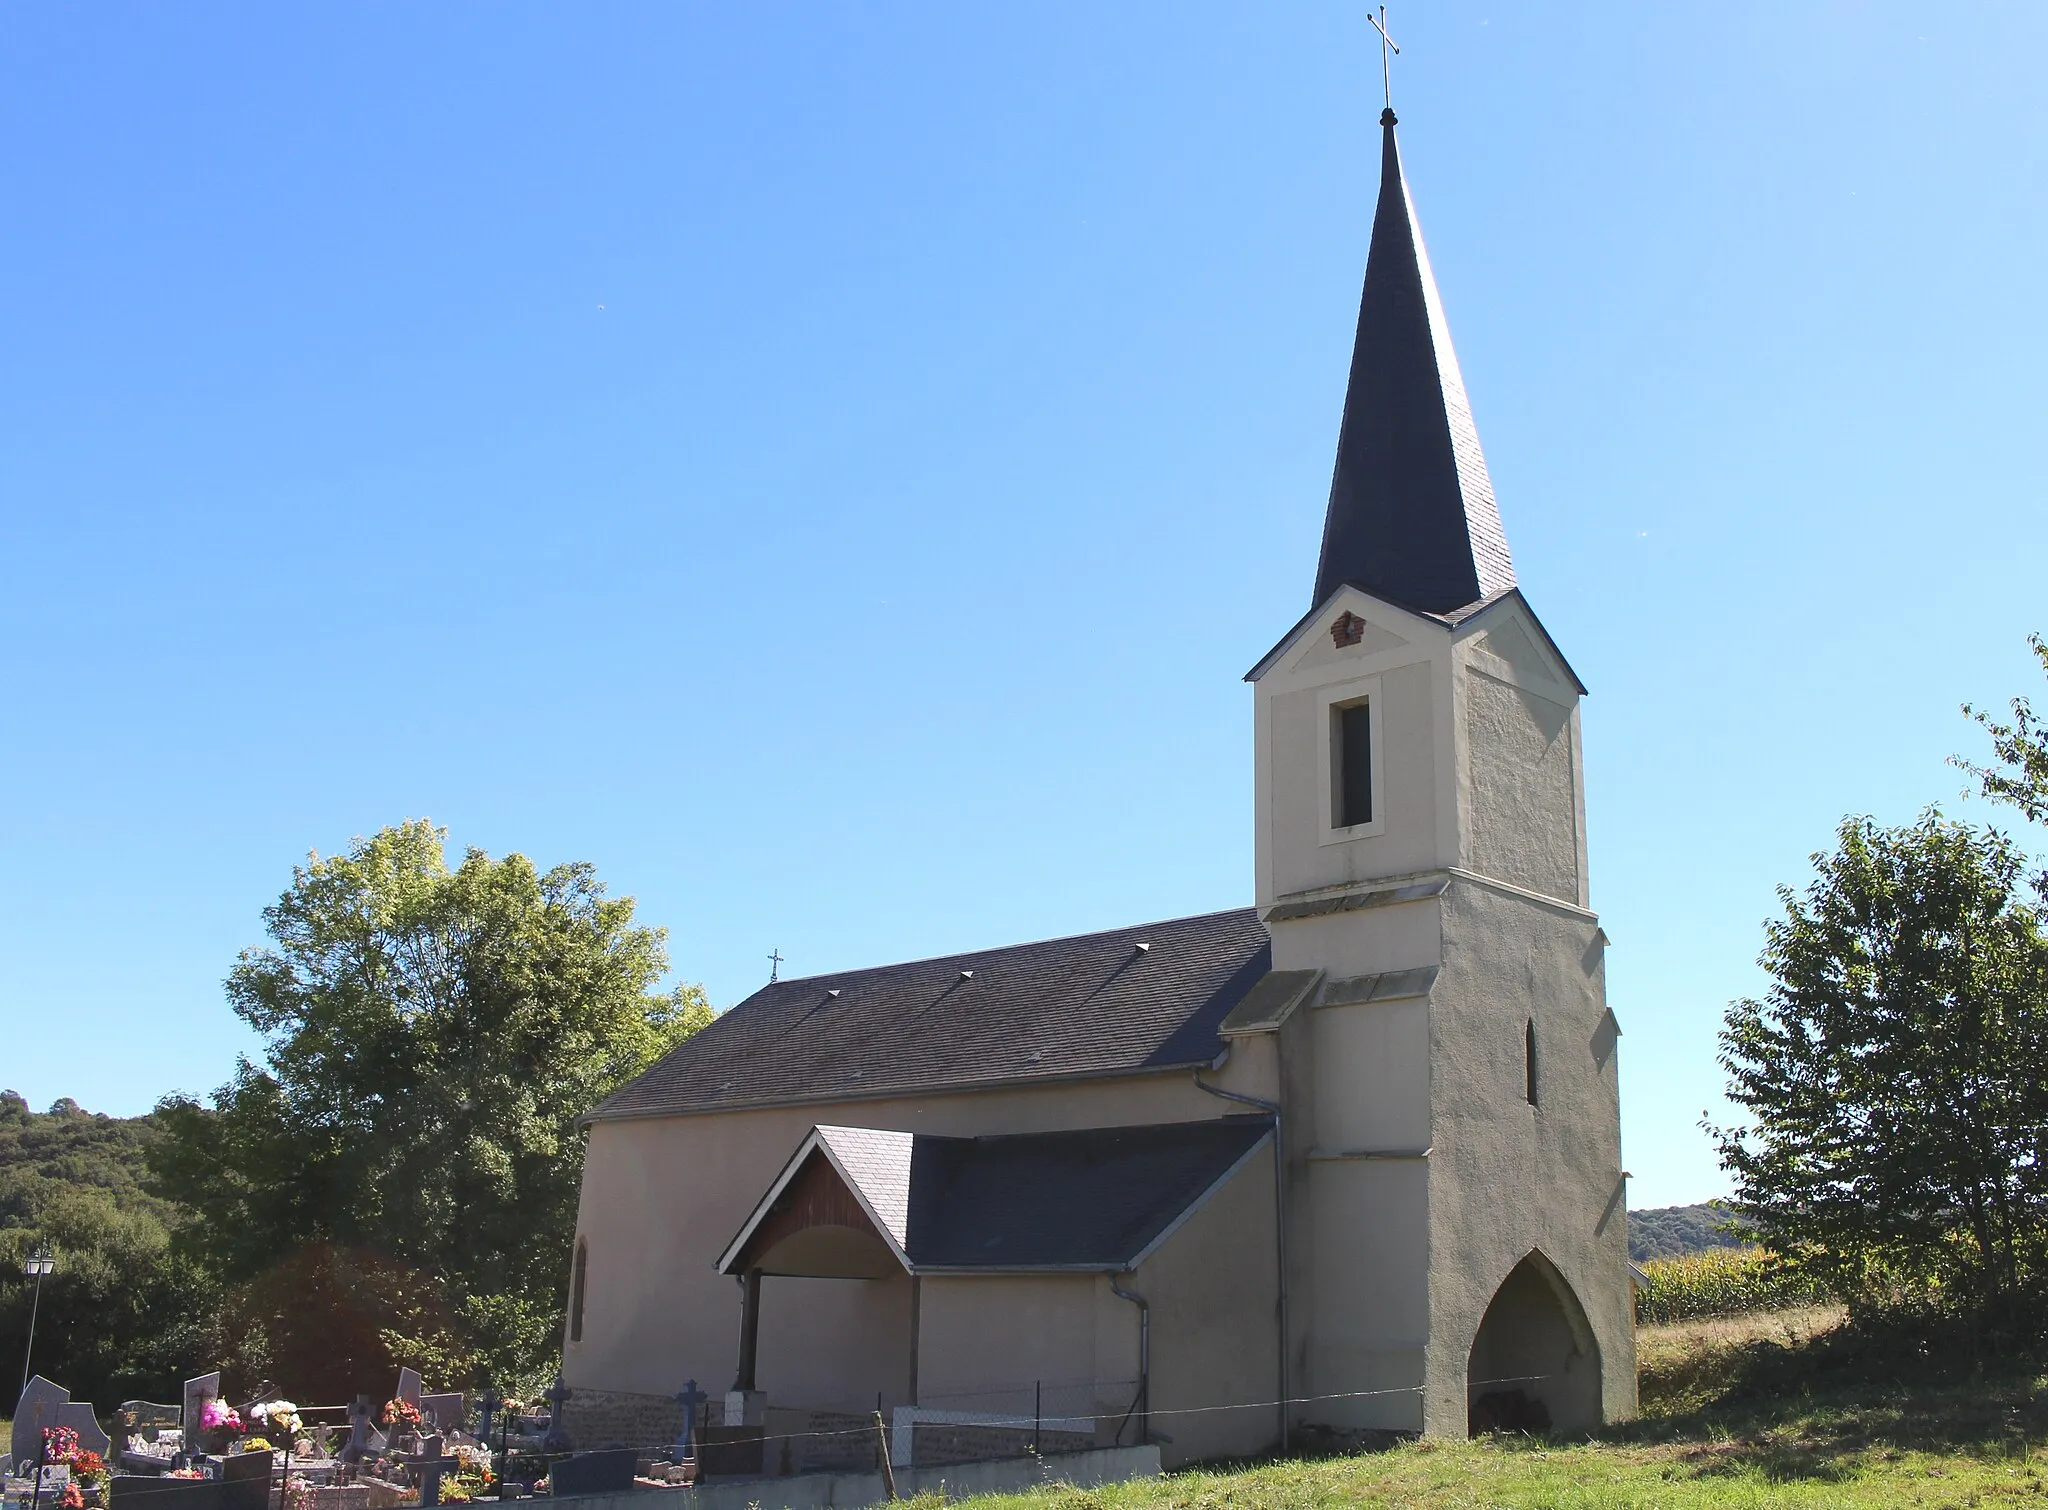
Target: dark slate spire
(1412, 516)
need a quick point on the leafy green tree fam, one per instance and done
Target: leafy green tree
(1896, 1075)
(2020, 776)
(431, 1038)
(120, 1317)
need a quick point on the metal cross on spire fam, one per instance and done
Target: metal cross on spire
(775, 965)
(1389, 50)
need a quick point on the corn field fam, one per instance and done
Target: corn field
(1720, 1282)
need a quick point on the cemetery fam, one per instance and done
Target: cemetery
(210, 1452)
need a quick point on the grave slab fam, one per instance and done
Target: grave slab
(38, 1408)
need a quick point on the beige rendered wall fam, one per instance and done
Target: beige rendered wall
(662, 1197)
(1508, 1178)
(987, 1340)
(1368, 1222)
(1403, 664)
(1214, 1296)
(1406, 755)
(1522, 756)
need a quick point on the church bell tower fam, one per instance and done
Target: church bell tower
(1454, 1137)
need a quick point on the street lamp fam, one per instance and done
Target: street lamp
(36, 1265)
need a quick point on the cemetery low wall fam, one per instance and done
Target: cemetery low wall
(599, 1418)
(846, 1491)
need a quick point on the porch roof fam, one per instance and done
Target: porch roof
(1095, 1199)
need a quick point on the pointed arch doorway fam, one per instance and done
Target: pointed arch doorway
(1534, 1364)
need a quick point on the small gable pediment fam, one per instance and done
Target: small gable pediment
(1348, 636)
(1350, 627)
(1511, 646)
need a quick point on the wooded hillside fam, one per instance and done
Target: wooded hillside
(1669, 1231)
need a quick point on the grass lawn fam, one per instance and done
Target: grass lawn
(1763, 1411)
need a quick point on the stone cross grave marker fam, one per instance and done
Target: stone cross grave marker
(430, 1464)
(692, 1400)
(557, 1395)
(38, 1408)
(359, 1442)
(488, 1407)
(197, 1392)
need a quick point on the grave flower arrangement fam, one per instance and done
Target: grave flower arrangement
(280, 1416)
(400, 1413)
(221, 1424)
(89, 1468)
(60, 1445)
(473, 1477)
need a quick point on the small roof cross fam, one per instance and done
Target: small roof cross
(1389, 50)
(775, 965)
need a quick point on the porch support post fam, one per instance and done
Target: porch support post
(750, 1328)
(916, 1318)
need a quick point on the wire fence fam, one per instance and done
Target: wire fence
(1044, 1419)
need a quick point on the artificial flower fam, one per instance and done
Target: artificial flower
(214, 1416)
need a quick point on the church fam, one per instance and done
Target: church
(1346, 1159)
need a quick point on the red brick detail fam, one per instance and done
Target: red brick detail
(1348, 629)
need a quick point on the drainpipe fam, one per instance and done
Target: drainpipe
(1143, 1404)
(1279, 1227)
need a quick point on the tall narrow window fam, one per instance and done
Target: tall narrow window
(1352, 732)
(576, 1280)
(1529, 1061)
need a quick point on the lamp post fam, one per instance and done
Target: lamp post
(36, 1265)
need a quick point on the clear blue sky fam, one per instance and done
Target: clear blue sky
(830, 466)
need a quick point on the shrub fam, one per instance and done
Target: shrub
(1721, 1282)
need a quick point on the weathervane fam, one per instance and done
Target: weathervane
(1389, 50)
(775, 965)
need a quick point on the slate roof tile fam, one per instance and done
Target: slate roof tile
(1094, 1004)
(1088, 1198)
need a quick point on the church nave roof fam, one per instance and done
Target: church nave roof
(1127, 1000)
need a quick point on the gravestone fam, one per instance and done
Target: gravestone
(692, 1400)
(197, 1392)
(138, 1424)
(409, 1383)
(248, 1475)
(608, 1472)
(40, 1402)
(443, 1413)
(80, 1417)
(488, 1408)
(428, 1465)
(557, 1439)
(360, 1437)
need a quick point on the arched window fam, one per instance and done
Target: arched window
(576, 1281)
(1529, 1062)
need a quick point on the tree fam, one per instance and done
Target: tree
(118, 1317)
(1896, 1074)
(2020, 777)
(431, 1038)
